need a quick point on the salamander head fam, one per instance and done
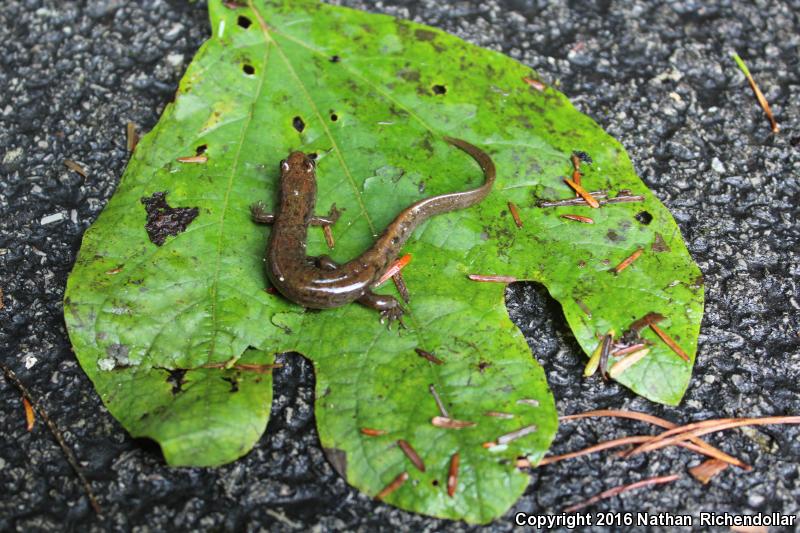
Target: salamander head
(298, 162)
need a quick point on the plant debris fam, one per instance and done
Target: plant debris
(429, 356)
(627, 261)
(395, 484)
(492, 279)
(326, 230)
(514, 435)
(610, 493)
(707, 469)
(438, 401)
(669, 342)
(759, 95)
(132, 138)
(578, 218)
(450, 423)
(72, 165)
(396, 267)
(370, 432)
(412, 454)
(515, 214)
(452, 475)
(623, 196)
(71, 459)
(30, 419)
(586, 195)
(626, 362)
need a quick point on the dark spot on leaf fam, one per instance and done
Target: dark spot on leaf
(176, 378)
(298, 124)
(201, 149)
(435, 482)
(613, 236)
(243, 21)
(335, 59)
(425, 35)
(334, 117)
(163, 220)
(439, 89)
(644, 217)
(248, 69)
(338, 459)
(234, 384)
(483, 365)
(659, 245)
(119, 353)
(583, 156)
(698, 281)
(408, 74)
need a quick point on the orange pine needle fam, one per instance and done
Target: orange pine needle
(583, 193)
(30, 419)
(395, 484)
(396, 267)
(578, 218)
(515, 214)
(369, 432)
(698, 429)
(536, 84)
(669, 342)
(628, 260)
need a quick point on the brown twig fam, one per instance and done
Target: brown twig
(71, 459)
(201, 158)
(601, 196)
(620, 489)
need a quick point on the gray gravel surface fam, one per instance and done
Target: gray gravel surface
(656, 75)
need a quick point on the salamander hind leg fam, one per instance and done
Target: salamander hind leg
(258, 212)
(325, 262)
(388, 306)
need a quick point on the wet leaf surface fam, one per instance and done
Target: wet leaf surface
(170, 334)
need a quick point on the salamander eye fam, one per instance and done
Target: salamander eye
(310, 165)
(284, 165)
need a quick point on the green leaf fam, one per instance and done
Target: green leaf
(176, 336)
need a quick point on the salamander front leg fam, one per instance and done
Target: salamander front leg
(258, 212)
(326, 220)
(387, 306)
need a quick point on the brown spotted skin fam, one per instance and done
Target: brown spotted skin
(318, 282)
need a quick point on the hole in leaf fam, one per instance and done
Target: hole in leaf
(334, 117)
(335, 59)
(439, 89)
(298, 124)
(176, 379)
(644, 217)
(249, 69)
(201, 149)
(435, 482)
(243, 21)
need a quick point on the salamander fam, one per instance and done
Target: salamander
(319, 282)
